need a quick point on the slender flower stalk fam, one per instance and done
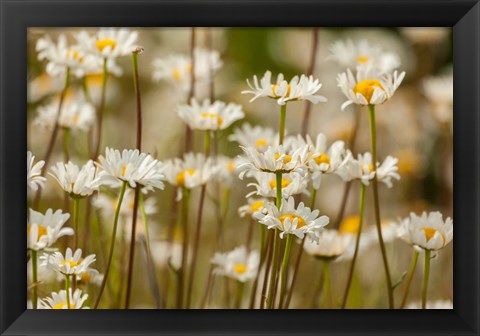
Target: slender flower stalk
(112, 243)
(286, 256)
(426, 274)
(263, 252)
(67, 289)
(33, 255)
(411, 272)
(185, 229)
(76, 202)
(138, 104)
(191, 93)
(263, 299)
(66, 144)
(311, 69)
(53, 137)
(373, 136)
(357, 246)
(100, 109)
(327, 285)
(240, 289)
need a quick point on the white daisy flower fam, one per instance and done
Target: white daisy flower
(298, 221)
(278, 159)
(178, 68)
(60, 56)
(132, 167)
(303, 88)
(226, 168)
(266, 185)
(108, 42)
(43, 230)
(360, 54)
(35, 179)
(362, 169)
(210, 116)
(77, 181)
(253, 205)
(193, 171)
(439, 91)
(255, 136)
(368, 87)
(237, 264)
(43, 86)
(331, 244)
(389, 233)
(70, 264)
(59, 300)
(75, 115)
(323, 160)
(428, 231)
(438, 304)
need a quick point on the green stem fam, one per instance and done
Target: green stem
(67, 290)
(66, 144)
(207, 143)
(327, 287)
(313, 199)
(76, 202)
(238, 300)
(34, 279)
(283, 115)
(274, 269)
(357, 246)
(426, 273)
(185, 229)
(373, 136)
(411, 272)
(101, 107)
(145, 221)
(285, 260)
(112, 243)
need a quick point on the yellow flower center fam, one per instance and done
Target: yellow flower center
(177, 74)
(430, 232)
(70, 262)
(213, 116)
(42, 230)
(104, 43)
(261, 143)
(181, 176)
(256, 206)
(286, 159)
(367, 166)
(75, 119)
(300, 223)
(230, 165)
(124, 170)
(85, 277)
(274, 88)
(62, 305)
(362, 59)
(285, 183)
(351, 224)
(240, 268)
(367, 87)
(322, 158)
(75, 54)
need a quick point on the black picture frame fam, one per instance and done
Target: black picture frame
(17, 15)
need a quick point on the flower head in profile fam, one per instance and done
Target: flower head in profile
(177, 68)
(210, 116)
(253, 205)
(75, 115)
(58, 300)
(108, 42)
(76, 181)
(331, 244)
(130, 166)
(43, 230)
(299, 221)
(276, 159)
(192, 171)
(70, 264)
(266, 185)
(256, 136)
(363, 170)
(428, 231)
(283, 91)
(322, 159)
(354, 55)
(368, 87)
(35, 179)
(238, 264)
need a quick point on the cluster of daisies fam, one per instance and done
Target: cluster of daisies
(281, 170)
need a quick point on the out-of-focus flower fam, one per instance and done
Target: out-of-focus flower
(439, 91)
(438, 304)
(428, 231)
(238, 264)
(70, 264)
(331, 244)
(299, 221)
(43, 230)
(165, 253)
(90, 276)
(131, 166)
(226, 168)
(59, 300)
(368, 87)
(210, 116)
(43, 86)
(360, 54)
(283, 91)
(254, 136)
(77, 182)
(108, 42)
(266, 185)
(253, 205)
(74, 115)
(34, 171)
(107, 205)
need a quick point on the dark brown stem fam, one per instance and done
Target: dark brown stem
(191, 94)
(132, 248)
(295, 273)
(270, 240)
(311, 69)
(101, 107)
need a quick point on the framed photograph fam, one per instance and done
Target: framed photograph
(208, 167)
